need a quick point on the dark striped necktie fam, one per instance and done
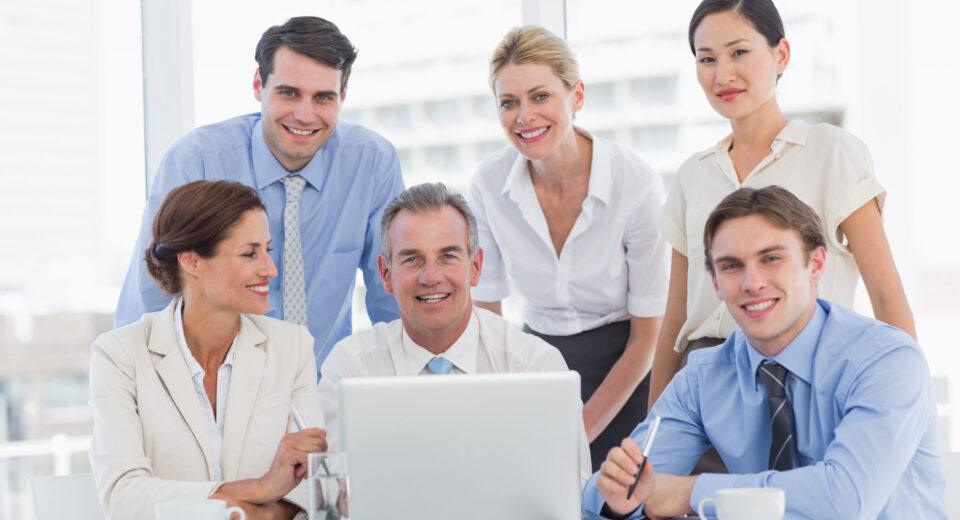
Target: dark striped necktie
(783, 444)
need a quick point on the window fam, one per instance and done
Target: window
(72, 177)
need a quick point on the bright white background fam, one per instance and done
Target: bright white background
(72, 175)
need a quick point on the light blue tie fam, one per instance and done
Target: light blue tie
(439, 365)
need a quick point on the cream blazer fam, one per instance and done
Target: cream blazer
(150, 441)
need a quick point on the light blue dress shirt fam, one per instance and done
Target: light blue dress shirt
(864, 414)
(349, 182)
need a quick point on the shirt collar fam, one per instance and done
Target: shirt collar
(192, 363)
(601, 183)
(267, 169)
(463, 352)
(797, 356)
(795, 132)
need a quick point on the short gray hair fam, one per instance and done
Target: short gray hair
(428, 197)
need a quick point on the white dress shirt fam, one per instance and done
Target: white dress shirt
(489, 344)
(613, 263)
(824, 166)
(214, 424)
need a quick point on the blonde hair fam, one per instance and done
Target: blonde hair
(534, 44)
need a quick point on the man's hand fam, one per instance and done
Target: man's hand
(289, 466)
(618, 473)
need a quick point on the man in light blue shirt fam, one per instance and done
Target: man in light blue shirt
(834, 408)
(345, 173)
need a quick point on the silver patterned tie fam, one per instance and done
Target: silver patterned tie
(294, 295)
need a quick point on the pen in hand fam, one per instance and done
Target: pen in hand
(647, 444)
(298, 422)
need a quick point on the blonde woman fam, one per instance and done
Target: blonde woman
(568, 221)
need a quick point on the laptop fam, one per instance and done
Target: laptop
(487, 446)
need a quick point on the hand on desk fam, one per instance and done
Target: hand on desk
(662, 496)
(277, 510)
(289, 467)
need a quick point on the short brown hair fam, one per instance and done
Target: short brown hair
(534, 44)
(311, 36)
(195, 217)
(777, 205)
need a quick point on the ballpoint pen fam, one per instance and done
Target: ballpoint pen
(647, 444)
(298, 422)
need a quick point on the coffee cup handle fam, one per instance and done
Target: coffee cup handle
(700, 507)
(238, 511)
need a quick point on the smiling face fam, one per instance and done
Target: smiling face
(766, 280)
(430, 274)
(536, 108)
(736, 68)
(299, 106)
(235, 278)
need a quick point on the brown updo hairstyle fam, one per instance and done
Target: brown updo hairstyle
(195, 217)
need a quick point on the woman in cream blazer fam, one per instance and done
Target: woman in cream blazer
(194, 401)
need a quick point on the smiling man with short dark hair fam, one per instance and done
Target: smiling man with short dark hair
(834, 408)
(324, 183)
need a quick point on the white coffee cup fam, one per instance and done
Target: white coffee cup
(199, 509)
(746, 504)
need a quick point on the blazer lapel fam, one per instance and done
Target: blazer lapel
(249, 360)
(172, 370)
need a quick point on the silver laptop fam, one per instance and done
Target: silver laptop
(491, 446)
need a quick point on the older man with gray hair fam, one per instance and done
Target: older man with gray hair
(429, 261)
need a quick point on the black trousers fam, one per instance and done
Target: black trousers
(592, 354)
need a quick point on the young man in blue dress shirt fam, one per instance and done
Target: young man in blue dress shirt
(331, 178)
(834, 408)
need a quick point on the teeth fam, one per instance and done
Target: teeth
(295, 131)
(432, 297)
(759, 306)
(258, 288)
(535, 133)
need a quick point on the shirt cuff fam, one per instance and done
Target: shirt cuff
(673, 235)
(594, 506)
(607, 513)
(646, 306)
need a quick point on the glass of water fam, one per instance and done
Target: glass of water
(328, 485)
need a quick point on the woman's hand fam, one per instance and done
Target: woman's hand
(278, 510)
(289, 466)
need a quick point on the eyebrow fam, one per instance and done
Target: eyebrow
(534, 89)
(295, 89)
(766, 250)
(410, 252)
(734, 42)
